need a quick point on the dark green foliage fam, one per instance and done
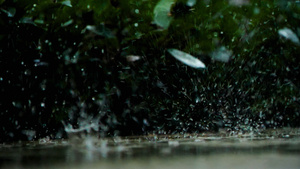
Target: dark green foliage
(63, 59)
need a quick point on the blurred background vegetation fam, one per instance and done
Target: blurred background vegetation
(105, 61)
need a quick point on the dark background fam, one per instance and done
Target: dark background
(69, 62)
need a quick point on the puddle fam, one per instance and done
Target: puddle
(274, 149)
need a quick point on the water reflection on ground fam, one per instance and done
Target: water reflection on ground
(274, 149)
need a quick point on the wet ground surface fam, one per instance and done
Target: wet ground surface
(271, 149)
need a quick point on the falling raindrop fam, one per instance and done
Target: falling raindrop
(101, 30)
(238, 2)
(132, 58)
(69, 22)
(186, 58)
(67, 3)
(191, 3)
(289, 34)
(29, 133)
(221, 54)
(10, 12)
(161, 13)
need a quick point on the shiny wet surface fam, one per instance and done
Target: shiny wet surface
(275, 149)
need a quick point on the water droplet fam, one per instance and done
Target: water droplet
(191, 3)
(132, 58)
(186, 58)
(67, 3)
(29, 133)
(161, 13)
(145, 122)
(69, 22)
(289, 34)
(221, 54)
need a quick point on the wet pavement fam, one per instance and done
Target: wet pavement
(274, 149)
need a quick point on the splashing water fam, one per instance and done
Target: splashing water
(202, 150)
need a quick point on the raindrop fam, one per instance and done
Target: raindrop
(67, 3)
(39, 21)
(186, 58)
(132, 58)
(161, 13)
(238, 2)
(191, 3)
(69, 22)
(43, 85)
(289, 34)
(146, 123)
(10, 12)
(29, 133)
(197, 100)
(100, 30)
(221, 54)
(37, 62)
